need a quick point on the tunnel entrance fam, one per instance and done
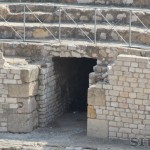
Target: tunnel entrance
(63, 86)
(73, 81)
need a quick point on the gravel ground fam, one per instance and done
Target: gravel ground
(67, 133)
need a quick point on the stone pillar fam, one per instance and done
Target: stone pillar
(97, 127)
(96, 98)
(25, 118)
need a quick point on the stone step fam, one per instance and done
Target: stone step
(115, 15)
(71, 48)
(70, 31)
(123, 3)
(51, 7)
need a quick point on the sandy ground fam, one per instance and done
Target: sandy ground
(68, 132)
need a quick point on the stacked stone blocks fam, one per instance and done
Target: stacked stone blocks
(124, 105)
(18, 109)
(47, 97)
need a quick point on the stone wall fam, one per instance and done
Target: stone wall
(120, 108)
(50, 104)
(18, 87)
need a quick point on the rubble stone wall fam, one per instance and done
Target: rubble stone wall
(120, 108)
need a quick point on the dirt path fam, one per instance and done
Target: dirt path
(67, 133)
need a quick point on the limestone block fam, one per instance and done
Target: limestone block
(83, 1)
(96, 96)
(1, 55)
(27, 105)
(2, 61)
(109, 17)
(128, 2)
(24, 90)
(4, 11)
(103, 36)
(35, 119)
(30, 74)
(20, 123)
(40, 33)
(91, 112)
(97, 128)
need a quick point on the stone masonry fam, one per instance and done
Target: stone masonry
(59, 82)
(48, 98)
(35, 89)
(18, 87)
(120, 108)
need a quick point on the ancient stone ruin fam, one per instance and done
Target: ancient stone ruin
(60, 58)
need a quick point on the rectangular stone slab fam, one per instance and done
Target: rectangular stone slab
(30, 73)
(2, 61)
(97, 128)
(1, 55)
(20, 123)
(96, 96)
(26, 105)
(23, 90)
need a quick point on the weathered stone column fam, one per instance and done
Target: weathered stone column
(26, 118)
(19, 86)
(96, 99)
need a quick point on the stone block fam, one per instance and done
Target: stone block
(40, 33)
(91, 112)
(97, 128)
(31, 74)
(27, 105)
(24, 90)
(2, 61)
(1, 55)
(35, 119)
(20, 123)
(96, 96)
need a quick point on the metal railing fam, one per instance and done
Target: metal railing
(62, 9)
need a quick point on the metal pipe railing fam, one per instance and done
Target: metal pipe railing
(62, 8)
(24, 21)
(95, 26)
(130, 32)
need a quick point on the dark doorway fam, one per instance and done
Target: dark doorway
(73, 81)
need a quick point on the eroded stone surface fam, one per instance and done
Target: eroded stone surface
(20, 123)
(30, 74)
(96, 96)
(26, 105)
(97, 128)
(24, 90)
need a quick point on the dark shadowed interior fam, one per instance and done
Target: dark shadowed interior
(73, 81)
